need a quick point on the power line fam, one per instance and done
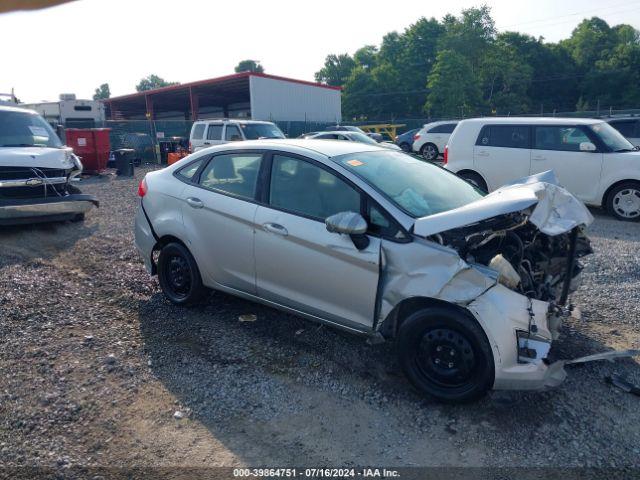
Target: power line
(626, 4)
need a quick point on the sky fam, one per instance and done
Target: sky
(75, 47)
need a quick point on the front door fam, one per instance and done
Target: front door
(557, 148)
(299, 263)
(219, 212)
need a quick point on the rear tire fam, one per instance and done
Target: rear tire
(446, 354)
(474, 179)
(405, 147)
(623, 202)
(429, 152)
(179, 275)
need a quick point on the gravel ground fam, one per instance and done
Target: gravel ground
(96, 368)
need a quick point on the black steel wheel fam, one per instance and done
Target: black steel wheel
(445, 353)
(179, 275)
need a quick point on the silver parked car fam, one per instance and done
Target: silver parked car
(471, 286)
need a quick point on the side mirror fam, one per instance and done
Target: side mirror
(349, 223)
(587, 147)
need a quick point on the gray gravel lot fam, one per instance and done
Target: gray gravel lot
(94, 363)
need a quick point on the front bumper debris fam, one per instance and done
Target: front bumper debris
(29, 210)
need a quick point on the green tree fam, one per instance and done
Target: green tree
(336, 70)
(152, 82)
(366, 57)
(469, 35)
(102, 92)
(249, 66)
(453, 89)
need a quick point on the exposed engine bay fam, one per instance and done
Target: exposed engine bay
(529, 261)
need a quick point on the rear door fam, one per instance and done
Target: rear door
(218, 212)
(232, 133)
(299, 263)
(557, 148)
(501, 153)
(213, 134)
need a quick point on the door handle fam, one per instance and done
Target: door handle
(275, 228)
(538, 157)
(207, 143)
(195, 202)
(483, 153)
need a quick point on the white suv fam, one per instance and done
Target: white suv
(205, 133)
(590, 158)
(432, 138)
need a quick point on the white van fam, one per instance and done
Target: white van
(205, 133)
(590, 158)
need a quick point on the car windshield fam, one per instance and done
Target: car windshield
(254, 131)
(362, 138)
(612, 137)
(418, 188)
(23, 129)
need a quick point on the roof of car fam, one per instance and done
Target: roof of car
(328, 148)
(230, 120)
(440, 122)
(535, 120)
(8, 108)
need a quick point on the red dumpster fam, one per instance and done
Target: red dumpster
(92, 145)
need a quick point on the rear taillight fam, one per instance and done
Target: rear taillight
(190, 148)
(416, 137)
(445, 156)
(142, 188)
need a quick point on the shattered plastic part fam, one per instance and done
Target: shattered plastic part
(556, 374)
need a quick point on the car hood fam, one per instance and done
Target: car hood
(550, 207)
(37, 157)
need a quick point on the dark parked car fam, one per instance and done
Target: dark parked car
(405, 140)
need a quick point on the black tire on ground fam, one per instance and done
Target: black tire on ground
(429, 152)
(474, 179)
(445, 353)
(406, 147)
(623, 202)
(179, 275)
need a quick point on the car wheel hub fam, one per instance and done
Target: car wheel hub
(429, 152)
(179, 275)
(626, 203)
(446, 357)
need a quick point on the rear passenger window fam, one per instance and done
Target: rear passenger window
(214, 132)
(198, 132)
(566, 139)
(446, 128)
(236, 174)
(509, 136)
(301, 187)
(190, 170)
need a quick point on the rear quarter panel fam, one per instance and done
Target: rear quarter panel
(163, 203)
(461, 144)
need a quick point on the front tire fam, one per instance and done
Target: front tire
(429, 152)
(445, 353)
(179, 275)
(623, 202)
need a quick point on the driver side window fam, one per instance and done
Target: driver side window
(303, 188)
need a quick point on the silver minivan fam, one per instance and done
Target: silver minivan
(206, 133)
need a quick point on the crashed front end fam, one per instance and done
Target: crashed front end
(510, 259)
(37, 185)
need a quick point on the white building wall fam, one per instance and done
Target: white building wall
(281, 100)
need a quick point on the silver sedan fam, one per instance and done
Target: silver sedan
(472, 287)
